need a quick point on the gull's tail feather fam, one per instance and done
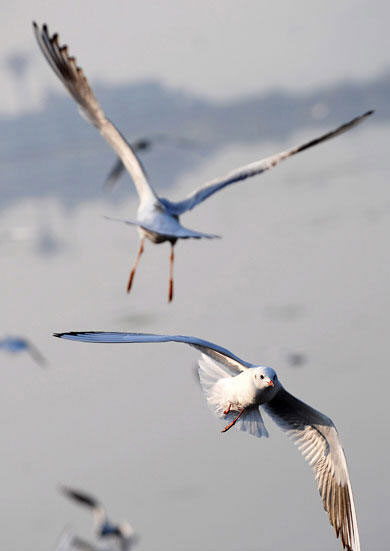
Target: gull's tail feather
(174, 231)
(252, 422)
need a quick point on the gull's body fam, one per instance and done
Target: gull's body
(16, 345)
(238, 391)
(157, 218)
(122, 532)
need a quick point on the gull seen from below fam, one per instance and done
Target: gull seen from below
(236, 389)
(157, 218)
(122, 532)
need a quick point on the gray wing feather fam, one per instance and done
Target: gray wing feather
(319, 443)
(214, 351)
(257, 168)
(75, 82)
(80, 497)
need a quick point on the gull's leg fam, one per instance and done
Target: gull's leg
(229, 426)
(172, 258)
(132, 273)
(227, 409)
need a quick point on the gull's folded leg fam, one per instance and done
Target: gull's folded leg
(227, 409)
(132, 273)
(229, 426)
(170, 296)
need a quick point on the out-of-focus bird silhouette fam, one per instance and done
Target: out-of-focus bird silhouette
(121, 532)
(141, 145)
(16, 344)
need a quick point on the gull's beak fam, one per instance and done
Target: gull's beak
(271, 383)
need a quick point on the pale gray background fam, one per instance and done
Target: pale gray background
(303, 266)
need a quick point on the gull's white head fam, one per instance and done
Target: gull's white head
(266, 380)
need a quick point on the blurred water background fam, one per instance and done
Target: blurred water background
(302, 269)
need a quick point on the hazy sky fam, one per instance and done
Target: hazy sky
(219, 48)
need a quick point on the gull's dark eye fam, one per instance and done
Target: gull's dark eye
(261, 376)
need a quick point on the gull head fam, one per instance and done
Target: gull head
(266, 381)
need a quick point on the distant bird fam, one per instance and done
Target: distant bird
(122, 532)
(296, 359)
(157, 218)
(235, 389)
(15, 344)
(144, 144)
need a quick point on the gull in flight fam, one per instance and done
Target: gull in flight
(157, 218)
(236, 390)
(15, 344)
(122, 532)
(143, 144)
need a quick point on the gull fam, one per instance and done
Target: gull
(122, 532)
(143, 144)
(157, 218)
(236, 390)
(16, 344)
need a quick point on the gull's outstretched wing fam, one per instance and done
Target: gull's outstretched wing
(75, 82)
(319, 443)
(218, 353)
(256, 168)
(81, 497)
(168, 227)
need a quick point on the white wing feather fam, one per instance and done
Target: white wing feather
(216, 352)
(255, 168)
(75, 82)
(319, 443)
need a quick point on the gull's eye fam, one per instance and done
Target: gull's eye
(261, 376)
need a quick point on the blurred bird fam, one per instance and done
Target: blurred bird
(122, 532)
(157, 218)
(144, 144)
(235, 389)
(14, 345)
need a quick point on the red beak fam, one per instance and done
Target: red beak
(271, 383)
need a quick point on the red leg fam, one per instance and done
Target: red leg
(227, 409)
(132, 273)
(170, 295)
(229, 426)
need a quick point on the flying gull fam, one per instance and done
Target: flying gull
(122, 532)
(157, 218)
(236, 390)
